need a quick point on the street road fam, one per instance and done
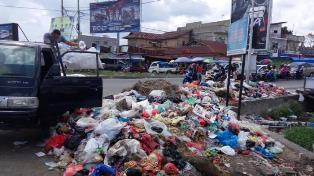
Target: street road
(22, 161)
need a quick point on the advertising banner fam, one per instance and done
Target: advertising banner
(115, 16)
(239, 27)
(9, 32)
(64, 24)
(262, 14)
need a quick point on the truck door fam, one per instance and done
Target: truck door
(60, 93)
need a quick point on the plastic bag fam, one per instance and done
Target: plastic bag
(158, 94)
(93, 144)
(72, 169)
(111, 127)
(103, 169)
(227, 138)
(242, 138)
(81, 61)
(130, 114)
(86, 122)
(228, 151)
(55, 142)
(73, 142)
(127, 149)
(156, 127)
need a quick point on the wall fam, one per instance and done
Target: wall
(216, 31)
(100, 41)
(260, 106)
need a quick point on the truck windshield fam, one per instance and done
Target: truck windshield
(17, 61)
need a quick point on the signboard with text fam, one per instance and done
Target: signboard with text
(115, 16)
(9, 32)
(262, 14)
(239, 28)
(64, 24)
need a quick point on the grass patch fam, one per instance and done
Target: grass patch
(303, 136)
(120, 74)
(311, 120)
(285, 110)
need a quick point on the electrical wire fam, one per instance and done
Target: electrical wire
(29, 8)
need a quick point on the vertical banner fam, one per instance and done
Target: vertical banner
(115, 16)
(239, 27)
(9, 32)
(262, 17)
(64, 24)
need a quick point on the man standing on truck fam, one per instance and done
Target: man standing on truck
(55, 36)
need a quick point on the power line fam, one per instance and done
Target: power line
(29, 8)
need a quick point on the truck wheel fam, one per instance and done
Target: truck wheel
(168, 72)
(154, 72)
(312, 74)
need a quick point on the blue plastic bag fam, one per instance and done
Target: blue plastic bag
(227, 138)
(265, 153)
(102, 169)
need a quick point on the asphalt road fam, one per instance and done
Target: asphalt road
(22, 161)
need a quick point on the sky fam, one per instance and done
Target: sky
(164, 15)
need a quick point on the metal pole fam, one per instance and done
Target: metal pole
(241, 87)
(78, 20)
(62, 14)
(228, 82)
(141, 15)
(250, 42)
(118, 42)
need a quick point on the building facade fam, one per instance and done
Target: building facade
(106, 42)
(282, 41)
(165, 40)
(215, 31)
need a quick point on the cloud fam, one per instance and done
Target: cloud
(165, 15)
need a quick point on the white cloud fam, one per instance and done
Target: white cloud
(165, 15)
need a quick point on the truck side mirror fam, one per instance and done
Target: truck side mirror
(54, 70)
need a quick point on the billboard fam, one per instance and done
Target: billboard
(9, 31)
(115, 16)
(239, 27)
(64, 24)
(262, 14)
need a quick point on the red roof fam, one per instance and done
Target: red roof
(152, 36)
(200, 48)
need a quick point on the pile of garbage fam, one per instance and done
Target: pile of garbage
(134, 135)
(251, 91)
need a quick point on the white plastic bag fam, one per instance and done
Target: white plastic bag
(228, 151)
(154, 123)
(158, 94)
(111, 127)
(242, 138)
(128, 149)
(94, 143)
(86, 122)
(81, 61)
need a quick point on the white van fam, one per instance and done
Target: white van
(162, 67)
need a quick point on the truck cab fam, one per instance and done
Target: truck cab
(34, 87)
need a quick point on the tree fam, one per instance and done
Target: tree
(285, 31)
(309, 40)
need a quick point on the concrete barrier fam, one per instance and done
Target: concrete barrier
(262, 105)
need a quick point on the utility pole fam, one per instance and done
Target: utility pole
(78, 20)
(249, 61)
(62, 14)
